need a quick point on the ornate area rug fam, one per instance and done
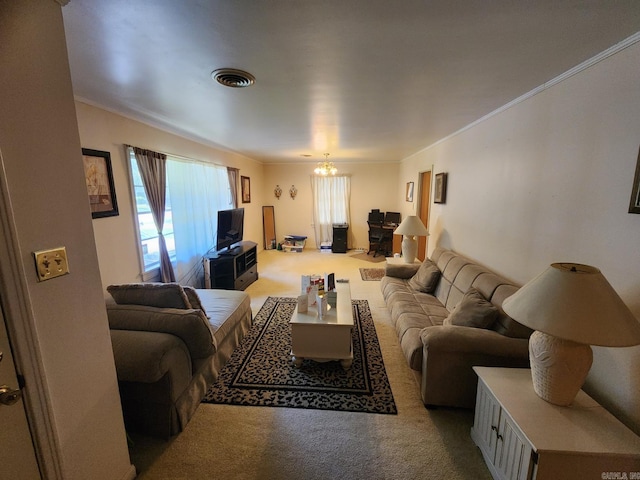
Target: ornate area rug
(260, 372)
(372, 274)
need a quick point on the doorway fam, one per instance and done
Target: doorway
(424, 187)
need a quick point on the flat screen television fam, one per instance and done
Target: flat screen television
(230, 228)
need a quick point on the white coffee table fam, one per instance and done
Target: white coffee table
(325, 339)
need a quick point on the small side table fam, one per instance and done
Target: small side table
(524, 437)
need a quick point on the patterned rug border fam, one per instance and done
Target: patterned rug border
(260, 373)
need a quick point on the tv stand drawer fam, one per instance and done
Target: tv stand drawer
(247, 278)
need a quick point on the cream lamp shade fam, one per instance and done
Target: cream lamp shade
(570, 306)
(409, 228)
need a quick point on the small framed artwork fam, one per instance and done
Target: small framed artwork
(100, 187)
(409, 192)
(245, 184)
(634, 203)
(440, 194)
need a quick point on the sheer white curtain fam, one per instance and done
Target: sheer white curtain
(197, 191)
(331, 197)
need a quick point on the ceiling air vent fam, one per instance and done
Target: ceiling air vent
(230, 77)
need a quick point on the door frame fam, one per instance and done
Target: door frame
(423, 210)
(21, 328)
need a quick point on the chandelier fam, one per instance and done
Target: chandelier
(325, 168)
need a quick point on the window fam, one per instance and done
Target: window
(195, 192)
(331, 198)
(147, 230)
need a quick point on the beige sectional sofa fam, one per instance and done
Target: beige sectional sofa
(448, 317)
(169, 344)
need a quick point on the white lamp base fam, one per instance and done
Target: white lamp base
(558, 367)
(409, 248)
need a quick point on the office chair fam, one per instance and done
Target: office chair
(376, 216)
(380, 239)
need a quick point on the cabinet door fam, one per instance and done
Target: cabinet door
(513, 453)
(486, 421)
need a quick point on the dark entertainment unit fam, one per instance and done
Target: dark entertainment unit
(339, 244)
(233, 269)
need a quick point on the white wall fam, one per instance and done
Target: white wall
(116, 236)
(48, 199)
(372, 186)
(550, 180)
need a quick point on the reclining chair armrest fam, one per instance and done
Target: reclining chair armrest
(453, 338)
(450, 352)
(402, 270)
(146, 357)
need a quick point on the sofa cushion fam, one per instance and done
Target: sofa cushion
(473, 311)
(226, 309)
(160, 295)
(191, 326)
(194, 298)
(426, 278)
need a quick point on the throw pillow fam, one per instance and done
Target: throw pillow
(473, 311)
(194, 299)
(426, 278)
(160, 295)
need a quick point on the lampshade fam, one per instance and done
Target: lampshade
(574, 302)
(411, 225)
(571, 307)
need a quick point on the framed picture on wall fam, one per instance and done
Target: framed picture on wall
(634, 203)
(100, 187)
(440, 194)
(245, 184)
(409, 192)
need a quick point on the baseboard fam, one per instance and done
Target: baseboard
(130, 474)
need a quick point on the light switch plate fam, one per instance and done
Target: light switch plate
(51, 263)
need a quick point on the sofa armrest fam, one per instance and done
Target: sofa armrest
(401, 270)
(449, 353)
(191, 326)
(146, 357)
(454, 338)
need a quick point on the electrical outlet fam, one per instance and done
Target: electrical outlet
(51, 263)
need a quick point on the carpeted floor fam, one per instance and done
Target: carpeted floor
(371, 274)
(364, 387)
(369, 257)
(254, 443)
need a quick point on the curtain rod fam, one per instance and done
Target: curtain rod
(181, 157)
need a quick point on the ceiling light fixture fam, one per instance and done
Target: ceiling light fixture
(325, 168)
(231, 77)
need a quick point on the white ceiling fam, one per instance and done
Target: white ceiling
(364, 80)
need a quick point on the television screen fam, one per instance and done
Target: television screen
(230, 227)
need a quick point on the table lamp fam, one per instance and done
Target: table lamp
(409, 228)
(570, 306)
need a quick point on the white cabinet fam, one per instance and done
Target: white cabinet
(523, 437)
(507, 453)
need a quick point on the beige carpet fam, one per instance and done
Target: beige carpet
(369, 257)
(239, 442)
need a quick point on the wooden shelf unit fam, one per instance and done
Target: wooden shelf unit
(234, 270)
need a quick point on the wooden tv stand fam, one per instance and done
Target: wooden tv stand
(232, 270)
